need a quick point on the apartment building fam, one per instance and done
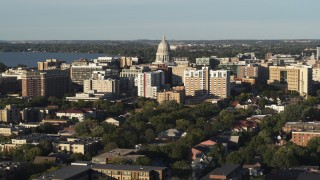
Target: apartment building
(45, 83)
(302, 137)
(301, 126)
(149, 83)
(128, 172)
(207, 82)
(82, 146)
(176, 94)
(296, 78)
(248, 71)
(9, 85)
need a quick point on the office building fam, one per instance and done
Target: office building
(204, 61)
(126, 62)
(149, 83)
(45, 83)
(296, 78)
(108, 86)
(82, 69)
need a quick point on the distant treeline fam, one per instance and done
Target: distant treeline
(147, 49)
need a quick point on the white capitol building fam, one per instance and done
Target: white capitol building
(163, 53)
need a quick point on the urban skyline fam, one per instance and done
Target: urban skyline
(141, 19)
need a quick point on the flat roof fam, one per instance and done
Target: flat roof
(65, 172)
(128, 167)
(225, 170)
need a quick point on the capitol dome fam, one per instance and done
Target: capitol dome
(163, 53)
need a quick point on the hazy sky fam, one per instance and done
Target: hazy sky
(149, 19)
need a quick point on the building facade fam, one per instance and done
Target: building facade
(50, 64)
(163, 53)
(302, 137)
(207, 82)
(292, 78)
(10, 114)
(176, 94)
(45, 83)
(149, 83)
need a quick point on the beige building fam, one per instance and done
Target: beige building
(50, 64)
(219, 83)
(207, 82)
(82, 146)
(128, 61)
(10, 114)
(177, 94)
(111, 86)
(292, 78)
(129, 172)
(248, 71)
(178, 73)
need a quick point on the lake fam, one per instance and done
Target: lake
(31, 58)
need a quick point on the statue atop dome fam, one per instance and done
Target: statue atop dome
(163, 53)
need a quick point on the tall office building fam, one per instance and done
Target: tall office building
(207, 82)
(318, 53)
(149, 83)
(292, 78)
(45, 83)
(127, 78)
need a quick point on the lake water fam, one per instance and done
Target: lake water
(31, 58)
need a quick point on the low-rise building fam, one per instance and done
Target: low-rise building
(79, 114)
(278, 108)
(130, 172)
(302, 137)
(82, 146)
(10, 114)
(301, 126)
(176, 94)
(229, 171)
(130, 155)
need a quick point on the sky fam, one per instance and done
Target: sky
(150, 19)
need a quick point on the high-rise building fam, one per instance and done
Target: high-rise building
(219, 83)
(149, 83)
(50, 64)
(318, 53)
(163, 53)
(292, 78)
(10, 114)
(126, 62)
(196, 82)
(45, 83)
(207, 82)
(127, 77)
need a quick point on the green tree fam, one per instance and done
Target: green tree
(3, 67)
(143, 161)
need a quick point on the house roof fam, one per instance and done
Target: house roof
(42, 159)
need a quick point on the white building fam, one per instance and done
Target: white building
(79, 114)
(149, 83)
(278, 108)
